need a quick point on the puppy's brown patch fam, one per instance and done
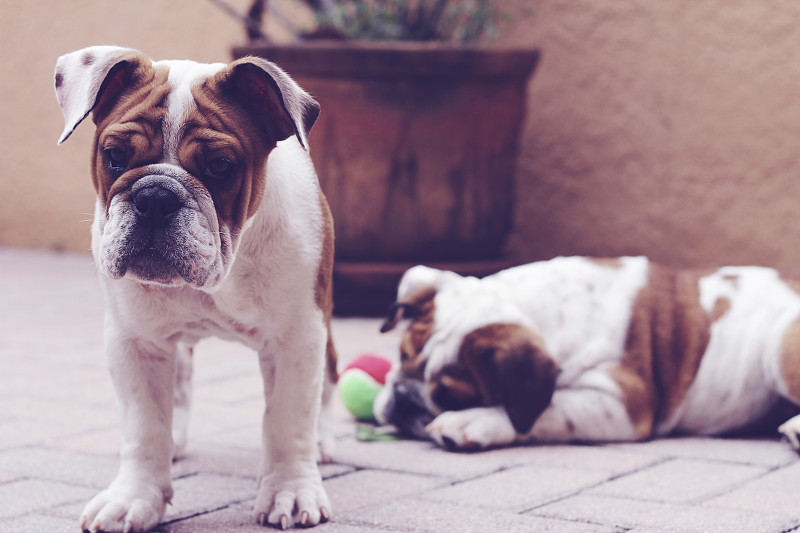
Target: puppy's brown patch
(129, 116)
(223, 127)
(421, 305)
(608, 262)
(668, 334)
(323, 292)
(721, 307)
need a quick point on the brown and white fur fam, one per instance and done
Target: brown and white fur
(577, 349)
(209, 220)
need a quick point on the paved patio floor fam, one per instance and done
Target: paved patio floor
(59, 439)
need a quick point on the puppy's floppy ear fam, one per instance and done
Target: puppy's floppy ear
(527, 378)
(416, 290)
(281, 106)
(91, 79)
(511, 368)
(400, 310)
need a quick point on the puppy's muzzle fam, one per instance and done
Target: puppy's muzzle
(407, 411)
(155, 206)
(159, 230)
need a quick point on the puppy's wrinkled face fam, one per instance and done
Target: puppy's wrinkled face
(405, 400)
(451, 359)
(179, 161)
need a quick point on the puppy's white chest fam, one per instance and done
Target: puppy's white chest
(225, 327)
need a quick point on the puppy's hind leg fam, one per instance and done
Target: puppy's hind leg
(182, 401)
(787, 373)
(325, 436)
(791, 430)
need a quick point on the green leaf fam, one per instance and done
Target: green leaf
(366, 433)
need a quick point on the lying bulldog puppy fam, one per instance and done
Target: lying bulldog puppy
(578, 349)
(209, 220)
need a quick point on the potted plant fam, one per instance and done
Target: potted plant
(417, 143)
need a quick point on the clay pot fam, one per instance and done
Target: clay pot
(415, 147)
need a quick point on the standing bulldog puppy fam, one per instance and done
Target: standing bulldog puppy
(209, 220)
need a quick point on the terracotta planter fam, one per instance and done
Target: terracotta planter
(415, 147)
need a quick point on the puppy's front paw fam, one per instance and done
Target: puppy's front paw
(472, 429)
(125, 508)
(284, 501)
(791, 430)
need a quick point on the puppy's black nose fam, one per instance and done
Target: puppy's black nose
(407, 399)
(408, 411)
(155, 205)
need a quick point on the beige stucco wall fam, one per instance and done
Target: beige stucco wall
(665, 128)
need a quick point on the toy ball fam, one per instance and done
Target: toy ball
(360, 383)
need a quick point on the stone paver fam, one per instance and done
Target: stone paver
(630, 514)
(433, 517)
(533, 486)
(35, 495)
(371, 488)
(37, 523)
(68, 467)
(679, 481)
(768, 453)
(59, 439)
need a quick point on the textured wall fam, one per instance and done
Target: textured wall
(665, 128)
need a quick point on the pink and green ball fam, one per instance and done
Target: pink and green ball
(360, 383)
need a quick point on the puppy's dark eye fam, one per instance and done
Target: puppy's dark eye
(219, 167)
(454, 399)
(116, 158)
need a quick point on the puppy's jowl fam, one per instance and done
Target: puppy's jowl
(209, 220)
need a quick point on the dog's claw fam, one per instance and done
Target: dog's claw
(325, 514)
(262, 519)
(304, 518)
(284, 522)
